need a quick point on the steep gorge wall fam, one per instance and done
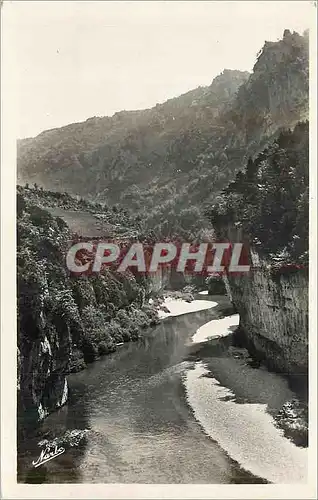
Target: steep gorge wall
(42, 369)
(273, 309)
(266, 208)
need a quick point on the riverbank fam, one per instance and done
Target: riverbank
(173, 304)
(252, 413)
(242, 426)
(177, 307)
(216, 328)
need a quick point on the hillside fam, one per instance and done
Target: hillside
(167, 161)
(126, 148)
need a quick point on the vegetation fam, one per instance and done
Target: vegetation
(268, 202)
(215, 285)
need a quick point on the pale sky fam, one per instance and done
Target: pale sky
(75, 60)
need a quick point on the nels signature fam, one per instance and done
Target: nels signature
(47, 454)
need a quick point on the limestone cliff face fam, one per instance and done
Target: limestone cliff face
(42, 383)
(43, 363)
(273, 309)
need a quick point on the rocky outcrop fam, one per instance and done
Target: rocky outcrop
(43, 362)
(273, 308)
(158, 280)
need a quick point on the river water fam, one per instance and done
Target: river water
(171, 408)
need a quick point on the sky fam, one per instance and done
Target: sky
(73, 60)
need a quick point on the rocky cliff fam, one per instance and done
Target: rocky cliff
(273, 308)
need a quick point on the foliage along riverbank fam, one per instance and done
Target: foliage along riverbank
(65, 322)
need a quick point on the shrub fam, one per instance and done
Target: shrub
(89, 349)
(104, 348)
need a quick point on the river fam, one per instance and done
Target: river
(173, 407)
